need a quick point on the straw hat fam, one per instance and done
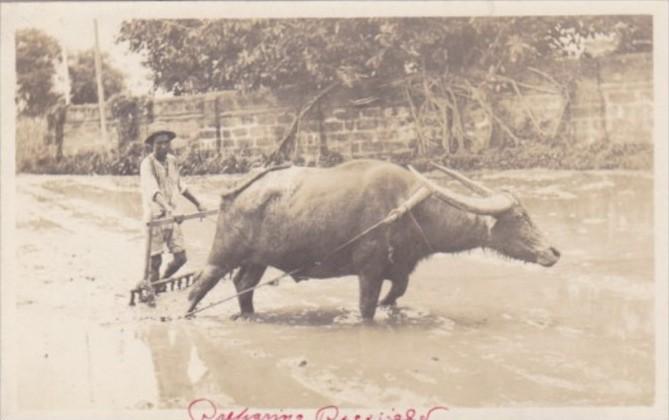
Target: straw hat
(158, 129)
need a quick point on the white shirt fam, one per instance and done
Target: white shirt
(157, 177)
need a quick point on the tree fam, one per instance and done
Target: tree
(36, 57)
(190, 56)
(441, 65)
(83, 82)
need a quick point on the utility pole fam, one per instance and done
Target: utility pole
(101, 93)
(66, 75)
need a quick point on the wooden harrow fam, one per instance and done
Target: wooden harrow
(185, 280)
(174, 283)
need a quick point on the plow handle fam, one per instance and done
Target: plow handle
(174, 219)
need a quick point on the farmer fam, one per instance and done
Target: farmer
(160, 183)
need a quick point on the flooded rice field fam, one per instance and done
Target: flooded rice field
(473, 330)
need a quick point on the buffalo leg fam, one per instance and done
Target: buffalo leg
(204, 282)
(370, 288)
(397, 289)
(247, 277)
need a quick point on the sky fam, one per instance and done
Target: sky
(75, 33)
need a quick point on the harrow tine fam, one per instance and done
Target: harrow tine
(162, 286)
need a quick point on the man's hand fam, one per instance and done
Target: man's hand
(167, 211)
(194, 200)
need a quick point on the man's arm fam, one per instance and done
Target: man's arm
(158, 198)
(193, 200)
(183, 188)
(150, 186)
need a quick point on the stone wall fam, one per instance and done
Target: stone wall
(612, 99)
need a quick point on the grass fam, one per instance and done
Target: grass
(31, 146)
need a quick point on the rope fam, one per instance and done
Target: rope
(243, 292)
(421, 231)
(388, 219)
(392, 216)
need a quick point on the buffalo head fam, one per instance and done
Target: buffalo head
(512, 232)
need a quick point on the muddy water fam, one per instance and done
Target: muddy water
(473, 330)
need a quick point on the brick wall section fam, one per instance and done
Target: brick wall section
(627, 86)
(612, 99)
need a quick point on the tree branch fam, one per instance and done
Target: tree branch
(560, 119)
(533, 87)
(475, 95)
(458, 126)
(546, 76)
(528, 110)
(421, 140)
(279, 152)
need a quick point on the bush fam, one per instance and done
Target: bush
(609, 156)
(31, 146)
(594, 156)
(127, 162)
(202, 162)
(33, 155)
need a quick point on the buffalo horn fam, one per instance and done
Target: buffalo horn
(472, 185)
(494, 204)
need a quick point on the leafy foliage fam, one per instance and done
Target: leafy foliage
(41, 160)
(199, 162)
(83, 82)
(129, 112)
(192, 56)
(36, 57)
(600, 155)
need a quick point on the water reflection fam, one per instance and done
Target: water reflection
(472, 329)
(192, 361)
(600, 292)
(171, 351)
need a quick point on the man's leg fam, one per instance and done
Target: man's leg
(177, 262)
(156, 261)
(176, 245)
(154, 276)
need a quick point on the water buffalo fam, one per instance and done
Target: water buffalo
(295, 217)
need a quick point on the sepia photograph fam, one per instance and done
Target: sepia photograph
(334, 210)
